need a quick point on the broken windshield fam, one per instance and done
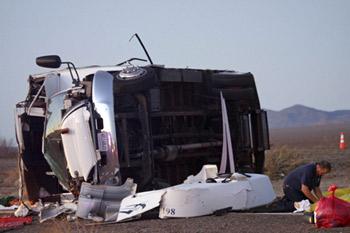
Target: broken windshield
(53, 148)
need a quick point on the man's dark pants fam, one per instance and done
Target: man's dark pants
(290, 196)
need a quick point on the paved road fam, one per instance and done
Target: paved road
(231, 222)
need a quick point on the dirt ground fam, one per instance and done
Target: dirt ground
(290, 147)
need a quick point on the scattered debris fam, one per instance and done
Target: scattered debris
(134, 205)
(7, 200)
(302, 206)
(37, 207)
(71, 217)
(8, 207)
(50, 211)
(106, 203)
(95, 218)
(22, 211)
(8, 204)
(7, 223)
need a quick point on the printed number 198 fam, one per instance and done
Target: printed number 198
(170, 211)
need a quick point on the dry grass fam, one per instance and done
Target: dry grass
(9, 183)
(9, 177)
(281, 160)
(7, 150)
(8, 168)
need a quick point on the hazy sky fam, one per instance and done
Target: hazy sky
(298, 50)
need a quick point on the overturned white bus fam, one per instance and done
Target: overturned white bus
(157, 125)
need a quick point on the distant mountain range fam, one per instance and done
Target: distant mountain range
(301, 116)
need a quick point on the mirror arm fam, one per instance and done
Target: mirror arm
(69, 64)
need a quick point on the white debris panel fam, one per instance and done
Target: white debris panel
(196, 197)
(134, 205)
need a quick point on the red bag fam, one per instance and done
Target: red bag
(332, 211)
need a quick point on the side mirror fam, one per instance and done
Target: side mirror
(50, 61)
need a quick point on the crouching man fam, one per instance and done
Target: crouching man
(304, 183)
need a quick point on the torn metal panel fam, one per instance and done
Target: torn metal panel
(53, 210)
(134, 205)
(36, 97)
(67, 197)
(102, 200)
